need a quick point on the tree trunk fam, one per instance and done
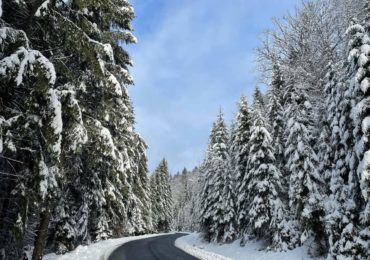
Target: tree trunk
(41, 236)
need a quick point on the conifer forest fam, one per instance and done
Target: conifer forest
(292, 166)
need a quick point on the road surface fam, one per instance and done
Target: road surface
(154, 248)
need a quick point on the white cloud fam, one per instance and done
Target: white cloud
(193, 56)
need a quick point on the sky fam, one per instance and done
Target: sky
(193, 57)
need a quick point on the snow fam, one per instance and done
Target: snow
(109, 51)
(116, 85)
(48, 182)
(362, 60)
(79, 132)
(42, 8)
(28, 59)
(193, 244)
(106, 138)
(365, 84)
(43, 183)
(365, 175)
(96, 251)
(355, 28)
(56, 123)
(365, 48)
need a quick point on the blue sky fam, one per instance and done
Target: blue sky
(193, 57)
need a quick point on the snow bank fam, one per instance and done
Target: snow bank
(96, 251)
(193, 244)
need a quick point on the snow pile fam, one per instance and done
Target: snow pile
(189, 245)
(42, 9)
(97, 251)
(193, 244)
(57, 124)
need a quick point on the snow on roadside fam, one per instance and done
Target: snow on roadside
(97, 251)
(193, 244)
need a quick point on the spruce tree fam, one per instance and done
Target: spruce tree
(30, 141)
(240, 151)
(275, 114)
(359, 55)
(102, 159)
(305, 195)
(214, 224)
(325, 149)
(139, 208)
(266, 210)
(161, 197)
(259, 102)
(340, 205)
(228, 204)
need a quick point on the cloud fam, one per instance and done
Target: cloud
(193, 56)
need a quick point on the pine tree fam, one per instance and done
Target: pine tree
(305, 198)
(30, 141)
(181, 197)
(161, 198)
(259, 102)
(266, 210)
(325, 148)
(240, 147)
(185, 195)
(228, 204)
(139, 210)
(213, 224)
(359, 55)
(102, 159)
(275, 114)
(340, 204)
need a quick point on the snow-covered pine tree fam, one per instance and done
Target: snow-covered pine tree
(30, 140)
(325, 145)
(185, 184)
(156, 205)
(240, 141)
(239, 154)
(161, 197)
(233, 149)
(139, 207)
(181, 196)
(207, 202)
(275, 113)
(109, 119)
(259, 102)
(305, 183)
(342, 205)
(228, 205)
(216, 221)
(185, 196)
(102, 157)
(266, 211)
(359, 57)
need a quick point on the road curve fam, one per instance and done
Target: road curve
(154, 248)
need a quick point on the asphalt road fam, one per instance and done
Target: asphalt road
(154, 248)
